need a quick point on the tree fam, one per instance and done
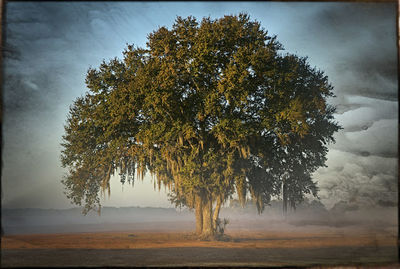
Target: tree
(209, 109)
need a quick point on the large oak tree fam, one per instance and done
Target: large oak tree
(210, 109)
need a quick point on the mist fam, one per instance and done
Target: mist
(309, 215)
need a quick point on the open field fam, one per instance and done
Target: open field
(306, 246)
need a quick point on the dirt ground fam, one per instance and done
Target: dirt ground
(268, 247)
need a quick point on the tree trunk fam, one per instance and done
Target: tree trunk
(208, 230)
(284, 197)
(199, 214)
(216, 212)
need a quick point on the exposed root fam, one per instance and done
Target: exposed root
(214, 237)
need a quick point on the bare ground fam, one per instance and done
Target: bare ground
(273, 246)
(200, 256)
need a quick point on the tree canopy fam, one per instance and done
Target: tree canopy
(210, 109)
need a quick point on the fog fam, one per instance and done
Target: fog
(308, 215)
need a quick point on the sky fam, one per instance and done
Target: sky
(50, 46)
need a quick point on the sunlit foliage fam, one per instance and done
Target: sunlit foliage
(210, 109)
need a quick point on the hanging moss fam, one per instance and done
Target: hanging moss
(209, 108)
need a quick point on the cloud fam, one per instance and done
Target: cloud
(360, 180)
(362, 112)
(29, 94)
(370, 129)
(55, 43)
(361, 40)
(378, 139)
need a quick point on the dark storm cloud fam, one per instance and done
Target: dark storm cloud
(368, 32)
(360, 39)
(357, 44)
(46, 42)
(27, 95)
(41, 40)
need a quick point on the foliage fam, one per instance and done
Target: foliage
(209, 109)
